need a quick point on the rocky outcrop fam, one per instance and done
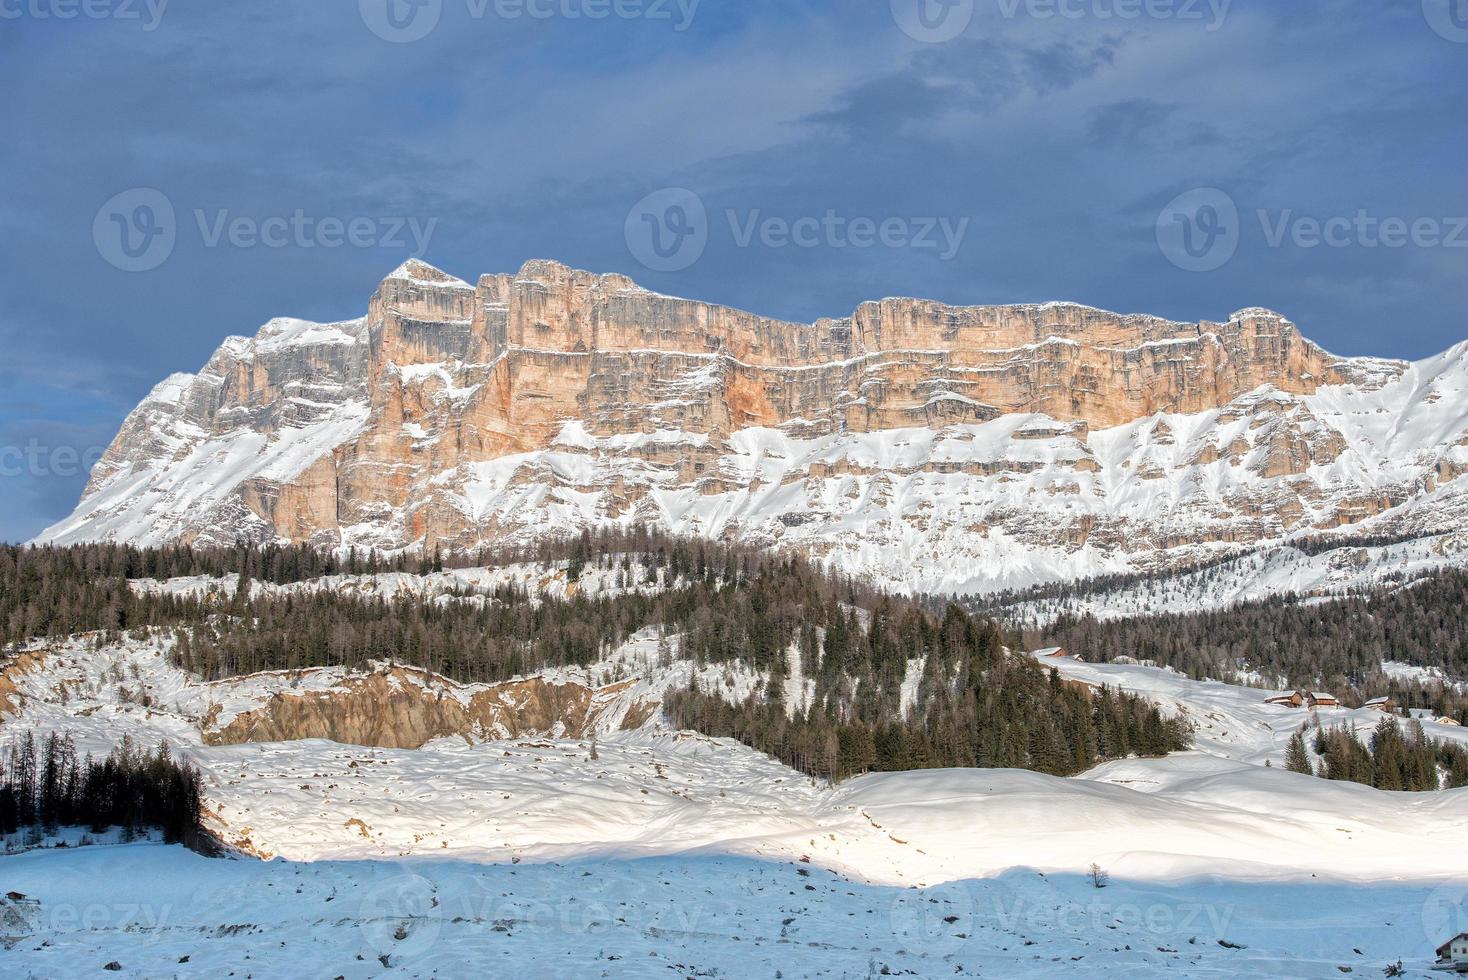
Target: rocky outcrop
(13, 670)
(62, 684)
(909, 440)
(405, 708)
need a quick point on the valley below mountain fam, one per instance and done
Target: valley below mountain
(553, 625)
(605, 842)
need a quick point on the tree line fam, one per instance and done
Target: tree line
(46, 786)
(976, 704)
(1337, 644)
(968, 702)
(59, 592)
(1393, 759)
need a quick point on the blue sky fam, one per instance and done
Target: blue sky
(1009, 150)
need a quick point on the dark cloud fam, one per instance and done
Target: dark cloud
(966, 76)
(1142, 124)
(1060, 65)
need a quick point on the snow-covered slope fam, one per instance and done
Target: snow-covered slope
(493, 793)
(1306, 574)
(1230, 722)
(670, 850)
(925, 447)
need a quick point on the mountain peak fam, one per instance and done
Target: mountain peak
(1257, 313)
(416, 270)
(553, 272)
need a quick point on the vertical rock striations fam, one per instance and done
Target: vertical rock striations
(931, 446)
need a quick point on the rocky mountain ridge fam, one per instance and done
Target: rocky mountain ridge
(929, 447)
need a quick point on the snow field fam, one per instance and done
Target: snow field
(673, 852)
(160, 911)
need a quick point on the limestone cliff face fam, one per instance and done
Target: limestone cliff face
(537, 403)
(405, 708)
(383, 706)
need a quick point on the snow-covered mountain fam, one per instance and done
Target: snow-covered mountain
(926, 447)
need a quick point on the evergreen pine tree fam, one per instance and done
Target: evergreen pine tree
(1297, 759)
